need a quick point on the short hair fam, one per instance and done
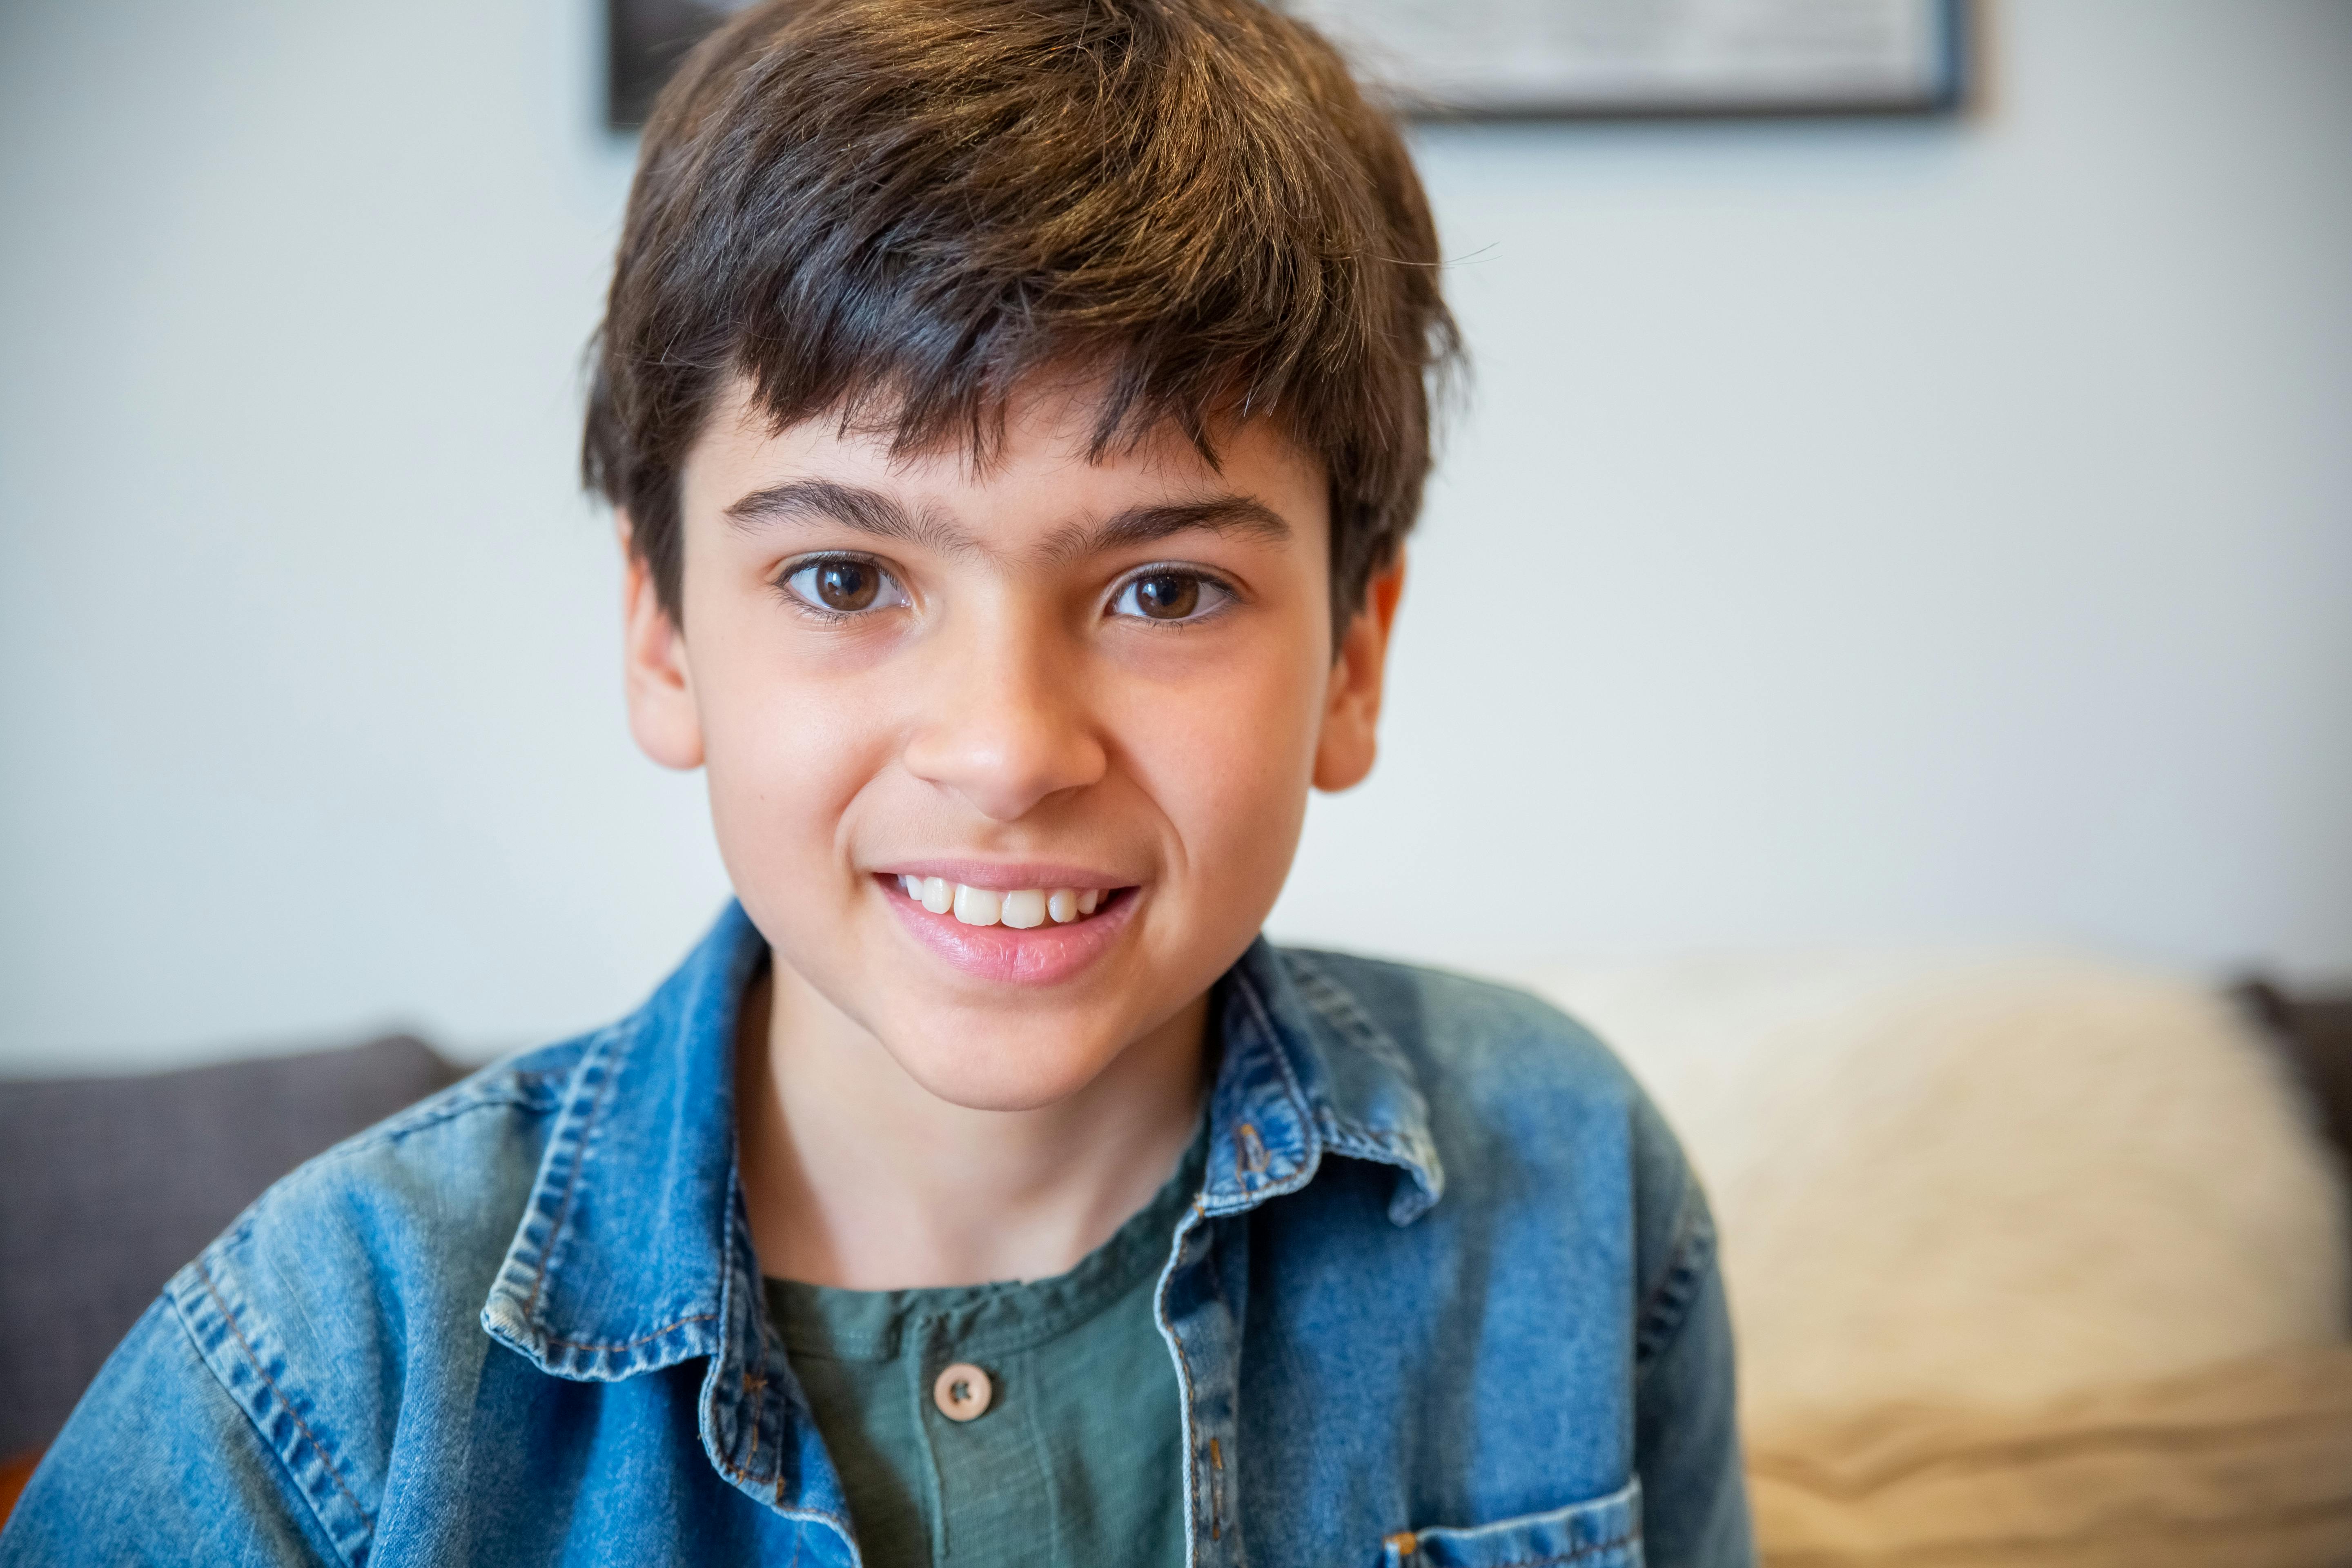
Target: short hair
(895, 211)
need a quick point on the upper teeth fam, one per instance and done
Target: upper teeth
(1021, 908)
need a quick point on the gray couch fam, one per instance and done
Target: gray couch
(108, 1185)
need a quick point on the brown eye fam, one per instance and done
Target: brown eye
(1166, 597)
(844, 586)
(847, 586)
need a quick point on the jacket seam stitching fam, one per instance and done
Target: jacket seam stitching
(488, 1099)
(1665, 1307)
(1676, 1257)
(253, 1360)
(1331, 999)
(1582, 1552)
(377, 1138)
(1300, 1105)
(1195, 1485)
(631, 1344)
(1339, 1007)
(571, 1189)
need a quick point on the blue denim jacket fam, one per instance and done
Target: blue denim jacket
(1448, 1297)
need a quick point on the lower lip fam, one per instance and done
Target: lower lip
(1041, 955)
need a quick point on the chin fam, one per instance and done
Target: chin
(1011, 1074)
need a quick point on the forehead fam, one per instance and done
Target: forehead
(1042, 477)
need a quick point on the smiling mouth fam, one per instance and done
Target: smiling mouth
(1021, 909)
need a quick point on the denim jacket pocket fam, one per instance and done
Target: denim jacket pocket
(1603, 1532)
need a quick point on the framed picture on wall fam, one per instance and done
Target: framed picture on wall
(644, 41)
(1622, 59)
(1535, 58)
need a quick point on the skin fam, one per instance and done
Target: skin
(903, 1121)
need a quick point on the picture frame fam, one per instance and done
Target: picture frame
(1620, 59)
(1534, 59)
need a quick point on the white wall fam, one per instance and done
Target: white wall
(1860, 533)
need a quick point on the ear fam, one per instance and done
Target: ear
(1351, 708)
(653, 671)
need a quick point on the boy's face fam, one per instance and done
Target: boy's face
(1044, 688)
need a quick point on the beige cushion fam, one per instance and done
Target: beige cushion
(2243, 1466)
(1983, 1185)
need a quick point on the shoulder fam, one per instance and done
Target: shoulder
(1508, 1078)
(423, 1184)
(1462, 1036)
(267, 1383)
(352, 1290)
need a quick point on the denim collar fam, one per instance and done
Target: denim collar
(632, 1253)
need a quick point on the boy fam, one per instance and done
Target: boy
(1012, 409)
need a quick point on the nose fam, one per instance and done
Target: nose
(1006, 725)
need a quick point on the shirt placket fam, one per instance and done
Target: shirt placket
(979, 1441)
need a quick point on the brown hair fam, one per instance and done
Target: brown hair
(895, 210)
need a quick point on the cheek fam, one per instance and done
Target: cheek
(787, 751)
(1228, 760)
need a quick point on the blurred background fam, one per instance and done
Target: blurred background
(1870, 546)
(1859, 531)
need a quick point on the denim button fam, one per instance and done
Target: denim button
(962, 1391)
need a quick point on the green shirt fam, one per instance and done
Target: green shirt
(1077, 1458)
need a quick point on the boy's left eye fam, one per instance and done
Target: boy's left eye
(844, 586)
(1169, 595)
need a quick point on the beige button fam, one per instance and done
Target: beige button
(962, 1391)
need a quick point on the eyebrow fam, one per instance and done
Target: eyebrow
(872, 512)
(1237, 516)
(852, 506)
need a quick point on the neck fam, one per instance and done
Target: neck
(856, 1176)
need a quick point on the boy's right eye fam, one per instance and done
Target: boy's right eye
(843, 585)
